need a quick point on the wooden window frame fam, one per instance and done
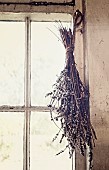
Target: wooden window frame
(27, 108)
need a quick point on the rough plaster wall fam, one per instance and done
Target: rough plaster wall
(98, 55)
(36, 0)
(80, 160)
(28, 8)
(35, 12)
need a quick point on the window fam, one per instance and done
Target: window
(31, 56)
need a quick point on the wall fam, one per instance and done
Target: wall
(32, 9)
(97, 37)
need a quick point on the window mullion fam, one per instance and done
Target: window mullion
(27, 99)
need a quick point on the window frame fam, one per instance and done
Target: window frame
(27, 108)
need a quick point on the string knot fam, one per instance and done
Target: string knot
(69, 49)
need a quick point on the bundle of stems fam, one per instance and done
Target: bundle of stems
(70, 99)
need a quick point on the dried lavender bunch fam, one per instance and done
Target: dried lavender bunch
(70, 99)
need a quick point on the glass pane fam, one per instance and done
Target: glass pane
(12, 53)
(48, 57)
(11, 141)
(43, 150)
